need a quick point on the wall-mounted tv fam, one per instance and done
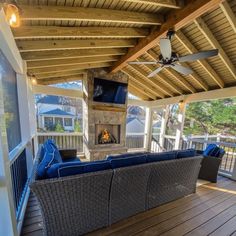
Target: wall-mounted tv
(108, 91)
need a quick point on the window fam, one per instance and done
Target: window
(59, 120)
(48, 123)
(10, 102)
(68, 121)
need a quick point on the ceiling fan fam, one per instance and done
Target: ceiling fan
(168, 58)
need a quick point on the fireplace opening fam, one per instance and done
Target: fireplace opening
(107, 134)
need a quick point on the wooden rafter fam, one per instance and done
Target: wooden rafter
(30, 32)
(158, 3)
(176, 75)
(225, 7)
(88, 14)
(68, 62)
(215, 44)
(136, 91)
(60, 54)
(52, 44)
(60, 79)
(149, 92)
(161, 90)
(53, 69)
(176, 18)
(191, 49)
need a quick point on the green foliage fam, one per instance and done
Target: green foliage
(59, 128)
(212, 117)
(77, 127)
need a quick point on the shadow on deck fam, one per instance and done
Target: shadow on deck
(211, 211)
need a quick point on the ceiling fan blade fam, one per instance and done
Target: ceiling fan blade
(181, 69)
(165, 47)
(155, 72)
(199, 55)
(142, 62)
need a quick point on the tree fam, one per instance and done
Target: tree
(59, 128)
(77, 126)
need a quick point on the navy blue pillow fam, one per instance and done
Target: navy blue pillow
(162, 156)
(76, 167)
(210, 149)
(128, 161)
(54, 148)
(128, 154)
(41, 154)
(186, 153)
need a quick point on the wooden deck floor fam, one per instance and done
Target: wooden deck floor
(211, 211)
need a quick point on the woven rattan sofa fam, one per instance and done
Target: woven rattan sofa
(75, 205)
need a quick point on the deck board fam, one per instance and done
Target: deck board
(210, 211)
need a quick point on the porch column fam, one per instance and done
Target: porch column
(180, 126)
(148, 129)
(164, 120)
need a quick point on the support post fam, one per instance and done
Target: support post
(180, 126)
(148, 129)
(164, 120)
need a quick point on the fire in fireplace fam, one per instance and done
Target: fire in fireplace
(106, 137)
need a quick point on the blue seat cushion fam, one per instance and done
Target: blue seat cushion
(186, 153)
(161, 156)
(128, 154)
(128, 161)
(53, 147)
(76, 167)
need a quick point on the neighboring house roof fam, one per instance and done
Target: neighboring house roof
(157, 124)
(56, 100)
(56, 112)
(134, 125)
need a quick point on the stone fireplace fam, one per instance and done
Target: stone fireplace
(104, 123)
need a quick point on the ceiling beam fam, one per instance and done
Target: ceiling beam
(52, 69)
(156, 86)
(176, 75)
(225, 7)
(53, 44)
(66, 62)
(136, 91)
(191, 49)
(149, 92)
(215, 44)
(60, 80)
(31, 32)
(60, 54)
(176, 18)
(88, 14)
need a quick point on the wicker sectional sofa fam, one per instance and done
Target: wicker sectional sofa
(78, 204)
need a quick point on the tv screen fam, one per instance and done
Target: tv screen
(109, 91)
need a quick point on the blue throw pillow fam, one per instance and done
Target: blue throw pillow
(128, 161)
(76, 167)
(186, 153)
(128, 154)
(162, 156)
(209, 149)
(54, 146)
(42, 152)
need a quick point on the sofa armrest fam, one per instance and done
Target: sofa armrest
(68, 153)
(200, 152)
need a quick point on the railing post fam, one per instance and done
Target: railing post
(205, 141)
(180, 126)
(233, 176)
(148, 129)
(164, 119)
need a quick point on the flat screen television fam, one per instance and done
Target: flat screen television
(108, 91)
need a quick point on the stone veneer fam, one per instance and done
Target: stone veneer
(102, 113)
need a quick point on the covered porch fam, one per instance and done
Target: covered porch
(58, 43)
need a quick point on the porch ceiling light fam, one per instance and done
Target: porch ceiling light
(34, 80)
(12, 14)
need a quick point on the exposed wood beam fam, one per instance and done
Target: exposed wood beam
(151, 81)
(176, 75)
(191, 49)
(225, 7)
(157, 3)
(139, 85)
(52, 69)
(162, 77)
(66, 62)
(30, 32)
(60, 54)
(88, 14)
(53, 44)
(137, 92)
(176, 18)
(215, 44)
(60, 80)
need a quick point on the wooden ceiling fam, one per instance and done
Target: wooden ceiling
(61, 39)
